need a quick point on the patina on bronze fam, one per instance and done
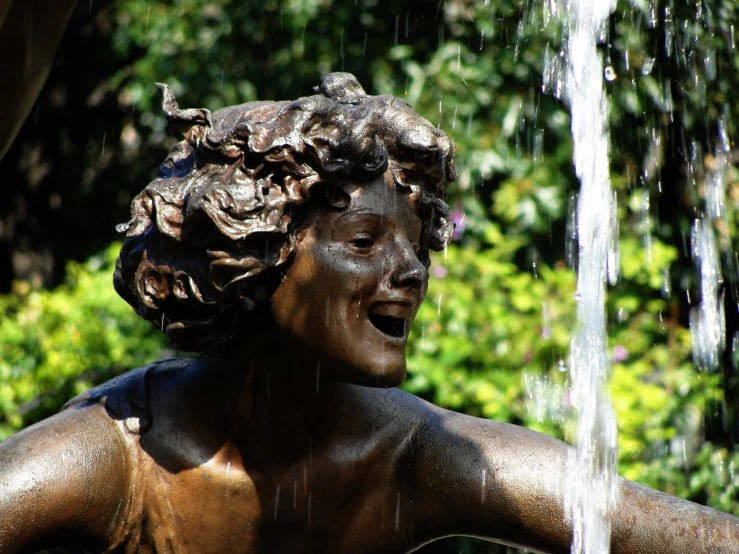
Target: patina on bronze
(288, 241)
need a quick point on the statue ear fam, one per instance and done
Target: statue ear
(192, 124)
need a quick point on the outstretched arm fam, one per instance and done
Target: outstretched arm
(62, 482)
(504, 482)
(30, 31)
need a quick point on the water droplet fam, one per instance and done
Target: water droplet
(538, 145)
(621, 315)
(709, 60)
(646, 69)
(546, 330)
(732, 43)
(610, 73)
(707, 320)
(397, 513)
(666, 286)
(571, 232)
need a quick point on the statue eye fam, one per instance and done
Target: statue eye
(363, 241)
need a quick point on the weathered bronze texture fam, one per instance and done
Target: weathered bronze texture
(289, 242)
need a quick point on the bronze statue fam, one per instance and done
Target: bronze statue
(288, 242)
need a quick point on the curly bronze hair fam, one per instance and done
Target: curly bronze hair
(210, 237)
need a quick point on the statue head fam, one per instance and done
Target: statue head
(213, 237)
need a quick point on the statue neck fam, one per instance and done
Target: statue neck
(274, 396)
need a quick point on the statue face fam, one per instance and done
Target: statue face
(355, 285)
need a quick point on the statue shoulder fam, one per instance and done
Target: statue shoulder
(126, 397)
(402, 418)
(64, 478)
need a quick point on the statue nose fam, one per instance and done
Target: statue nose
(410, 272)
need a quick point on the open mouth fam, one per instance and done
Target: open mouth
(390, 325)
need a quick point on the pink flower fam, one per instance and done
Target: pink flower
(439, 271)
(456, 216)
(619, 353)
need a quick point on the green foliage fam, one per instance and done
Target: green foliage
(492, 341)
(483, 325)
(56, 344)
(659, 397)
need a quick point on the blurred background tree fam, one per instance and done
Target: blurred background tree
(492, 338)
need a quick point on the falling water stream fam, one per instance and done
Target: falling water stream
(577, 74)
(591, 479)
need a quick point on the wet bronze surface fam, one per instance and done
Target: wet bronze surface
(289, 241)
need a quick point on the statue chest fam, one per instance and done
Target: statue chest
(216, 508)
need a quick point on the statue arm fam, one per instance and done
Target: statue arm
(504, 482)
(30, 32)
(62, 482)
